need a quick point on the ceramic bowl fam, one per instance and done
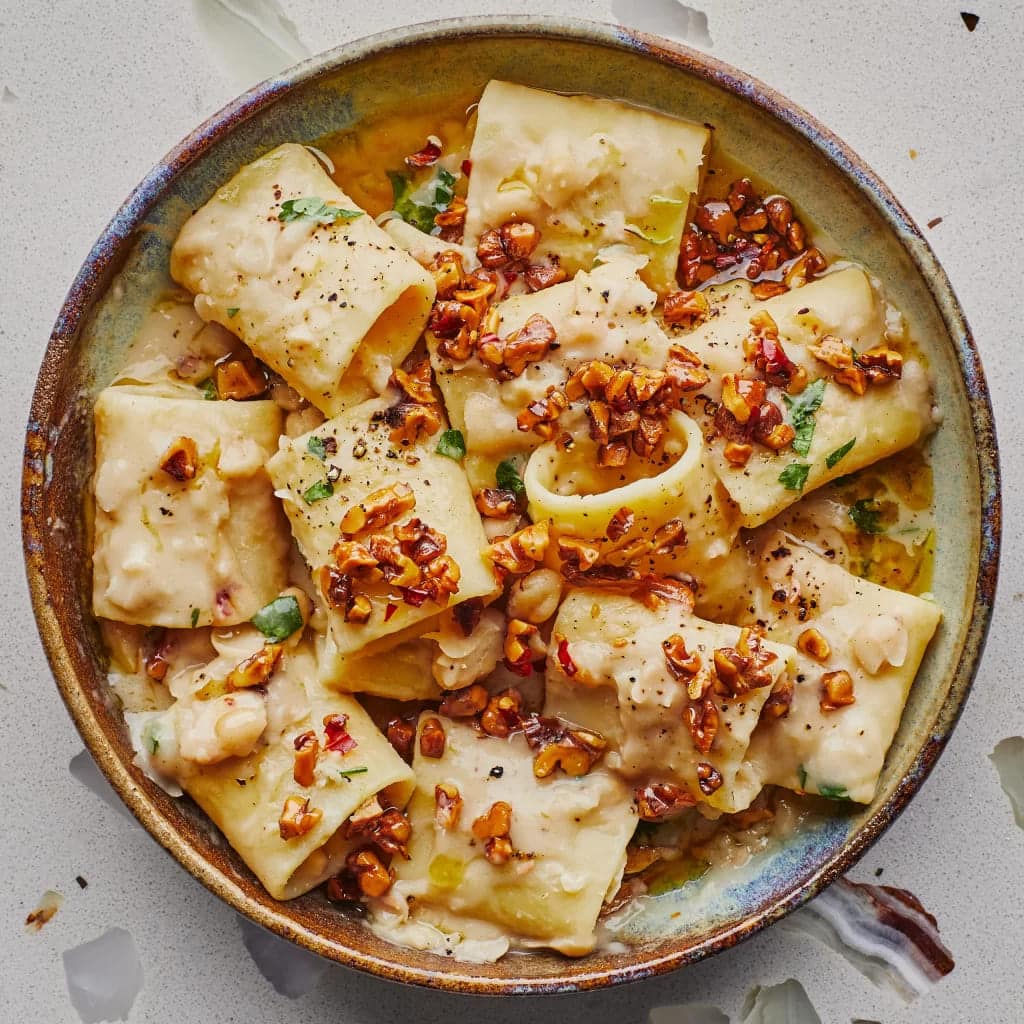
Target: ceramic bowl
(126, 269)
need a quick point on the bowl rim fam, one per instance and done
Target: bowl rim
(102, 261)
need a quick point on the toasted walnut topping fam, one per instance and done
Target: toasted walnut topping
(307, 750)
(502, 714)
(764, 348)
(441, 579)
(854, 378)
(359, 610)
(620, 524)
(493, 828)
(813, 644)
(833, 351)
(416, 383)
(378, 509)
(807, 267)
(519, 553)
(836, 691)
(388, 830)
(372, 877)
(298, 818)
(256, 669)
(447, 806)
(881, 364)
(737, 453)
(741, 396)
(768, 289)
(448, 273)
(709, 778)
(613, 456)
(353, 558)
(681, 663)
(779, 700)
(518, 635)
(181, 460)
(640, 858)
(453, 217)
(684, 370)
(539, 276)
(496, 502)
(336, 587)
(685, 309)
(744, 667)
(769, 429)
(702, 719)
(468, 614)
(401, 733)
(240, 377)
(464, 703)
(432, 738)
(560, 745)
(410, 422)
(577, 555)
(541, 415)
(510, 356)
(519, 239)
(661, 800)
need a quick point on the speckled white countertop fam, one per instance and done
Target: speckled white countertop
(93, 94)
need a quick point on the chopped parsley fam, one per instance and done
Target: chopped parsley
(233, 310)
(320, 490)
(794, 476)
(209, 389)
(440, 193)
(834, 458)
(195, 617)
(507, 477)
(802, 772)
(152, 742)
(452, 444)
(315, 446)
(346, 772)
(279, 619)
(801, 414)
(315, 209)
(834, 792)
(866, 516)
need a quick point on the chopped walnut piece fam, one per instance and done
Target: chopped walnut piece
(836, 691)
(510, 356)
(768, 289)
(519, 239)
(401, 733)
(372, 877)
(881, 364)
(737, 453)
(240, 377)
(561, 745)
(307, 750)
(684, 370)
(741, 396)
(336, 587)
(709, 778)
(453, 217)
(702, 719)
(432, 738)
(493, 828)
(496, 502)
(833, 351)
(519, 553)
(685, 309)
(518, 636)
(613, 456)
(352, 558)
(416, 383)
(854, 378)
(539, 276)
(359, 610)
(577, 555)
(256, 669)
(813, 644)
(501, 717)
(744, 667)
(379, 508)
(780, 213)
(489, 250)
(441, 578)
(181, 460)
(447, 806)
(464, 703)
(660, 800)
(779, 700)
(448, 273)
(808, 266)
(640, 858)
(297, 817)
(541, 415)
(681, 663)
(389, 830)
(620, 524)
(769, 429)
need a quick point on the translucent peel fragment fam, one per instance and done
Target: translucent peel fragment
(691, 1013)
(104, 977)
(882, 931)
(1008, 757)
(292, 971)
(786, 1003)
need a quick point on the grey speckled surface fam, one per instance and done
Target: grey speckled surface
(91, 95)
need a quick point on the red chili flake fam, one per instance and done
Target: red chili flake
(776, 363)
(337, 735)
(467, 167)
(426, 157)
(414, 596)
(389, 611)
(569, 666)
(520, 668)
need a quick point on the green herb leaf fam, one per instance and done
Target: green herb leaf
(233, 310)
(421, 215)
(346, 772)
(834, 792)
(279, 619)
(834, 458)
(452, 444)
(794, 476)
(209, 389)
(315, 209)
(648, 235)
(195, 617)
(320, 490)
(444, 188)
(803, 776)
(315, 446)
(865, 516)
(508, 478)
(152, 743)
(801, 414)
